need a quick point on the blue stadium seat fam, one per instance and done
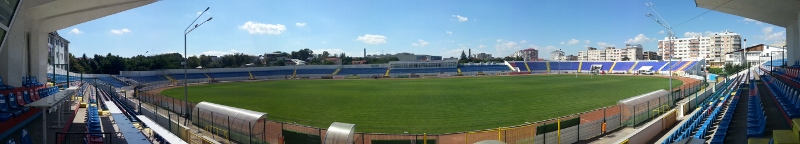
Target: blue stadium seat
(112, 81)
(350, 71)
(483, 68)
(623, 66)
(25, 138)
(538, 66)
(11, 102)
(229, 74)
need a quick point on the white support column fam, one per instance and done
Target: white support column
(13, 57)
(39, 56)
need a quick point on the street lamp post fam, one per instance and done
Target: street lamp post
(185, 64)
(670, 35)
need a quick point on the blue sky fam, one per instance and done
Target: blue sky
(423, 27)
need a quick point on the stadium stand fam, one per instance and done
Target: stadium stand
(702, 119)
(756, 119)
(538, 66)
(678, 65)
(315, 71)
(564, 65)
(479, 68)
(623, 66)
(112, 81)
(273, 73)
(229, 74)
(148, 79)
(190, 76)
(59, 78)
(588, 65)
(423, 70)
(654, 64)
(350, 71)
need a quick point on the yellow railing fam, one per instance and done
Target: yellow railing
(634, 65)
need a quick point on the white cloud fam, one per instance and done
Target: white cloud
(604, 44)
(639, 39)
(506, 46)
(300, 24)
(219, 53)
(587, 41)
(523, 41)
(198, 13)
(481, 46)
(692, 34)
(748, 20)
(461, 18)
(262, 28)
(324, 42)
(120, 31)
(562, 43)
(661, 32)
(372, 39)
(449, 32)
(499, 40)
(75, 31)
(421, 43)
(771, 36)
(573, 42)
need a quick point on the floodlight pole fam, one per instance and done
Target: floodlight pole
(670, 35)
(186, 65)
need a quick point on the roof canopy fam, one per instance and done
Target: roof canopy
(646, 68)
(340, 133)
(242, 114)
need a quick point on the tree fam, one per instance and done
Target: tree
(193, 61)
(325, 54)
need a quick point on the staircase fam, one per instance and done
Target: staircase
(459, 70)
(685, 65)
(634, 65)
(580, 65)
(169, 77)
(387, 72)
(612, 67)
(251, 75)
(294, 75)
(526, 66)
(548, 66)
(171, 80)
(209, 77)
(337, 71)
(665, 65)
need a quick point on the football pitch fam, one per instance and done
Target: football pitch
(436, 105)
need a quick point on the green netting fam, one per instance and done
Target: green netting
(554, 126)
(291, 137)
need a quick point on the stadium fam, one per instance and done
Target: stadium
(669, 101)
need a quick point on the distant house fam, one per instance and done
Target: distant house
(337, 61)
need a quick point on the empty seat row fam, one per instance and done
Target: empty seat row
(694, 122)
(725, 122)
(786, 95)
(112, 81)
(13, 105)
(756, 118)
(93, 125)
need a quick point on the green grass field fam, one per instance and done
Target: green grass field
(440, 105)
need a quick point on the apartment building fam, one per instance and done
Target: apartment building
(712, 47)
(629, 53)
